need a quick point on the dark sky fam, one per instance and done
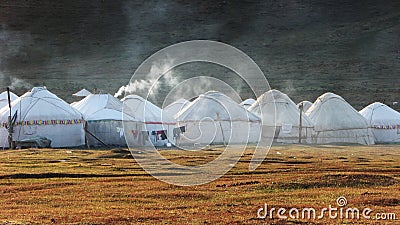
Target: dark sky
(304, 47)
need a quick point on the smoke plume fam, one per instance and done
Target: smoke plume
(160, 75)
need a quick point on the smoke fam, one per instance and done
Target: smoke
(13, 82)
(190, 89)
(133, 87)
(17, 83)
(151, 83)
(193, 87)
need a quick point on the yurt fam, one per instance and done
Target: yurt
(384, 121)
(40, 113)
(336, 121)
(277, 109)
(306, 105)
(158, 125)
(175, 106)
(247, 103)
(4, 98)
(214, 118)
(103, 114)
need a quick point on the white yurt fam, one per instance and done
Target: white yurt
(277, 109)
(247, 103)
(336, 121)
(158, 125)
(175, 107)
(214, 118)
(384, 121)
(4, 98)
(306, 105)
(40, 113)
(103, 114)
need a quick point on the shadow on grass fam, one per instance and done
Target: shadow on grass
(342, 180)
(385, 202)
(64, 175)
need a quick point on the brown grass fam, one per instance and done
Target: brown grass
(108, 187)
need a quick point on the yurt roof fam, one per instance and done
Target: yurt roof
(276, 103)
(4, 98)
(379, 114)
(40, 104)
(306, 105)
(145, 110)
(101, 107)
(248, 102)
(332, 112)
(82, 93)
(175, 106)
(217, 106)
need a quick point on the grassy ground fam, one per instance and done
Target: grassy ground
(107, 187)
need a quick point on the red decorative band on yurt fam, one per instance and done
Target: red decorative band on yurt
(387, 127)
(166, 123)
(46, 122)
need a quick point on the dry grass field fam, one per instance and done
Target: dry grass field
(77, 186)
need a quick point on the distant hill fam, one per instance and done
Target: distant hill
(305, 48)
